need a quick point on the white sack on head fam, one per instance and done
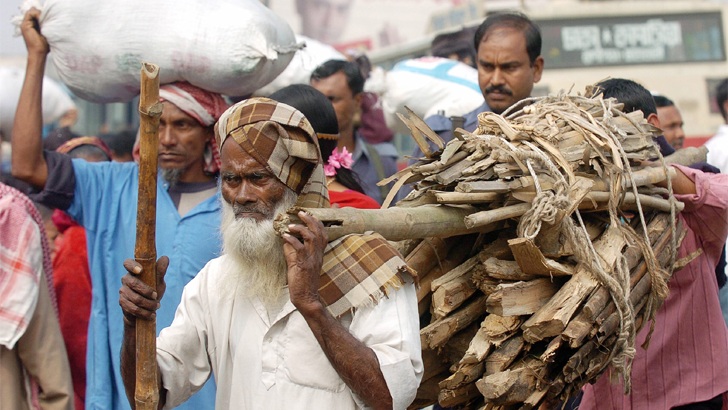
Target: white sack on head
(427, 85)
(56, 100)
(302, 65)
(232, 47)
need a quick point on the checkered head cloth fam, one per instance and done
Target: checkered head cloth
(281, 138)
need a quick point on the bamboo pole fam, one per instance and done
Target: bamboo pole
(146, 392)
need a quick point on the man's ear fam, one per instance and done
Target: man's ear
(537, 69)
(653, 120)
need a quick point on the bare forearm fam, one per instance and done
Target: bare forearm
(28, 162)
(353, 361)
(681, 184)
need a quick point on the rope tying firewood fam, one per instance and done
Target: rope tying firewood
(572, 250)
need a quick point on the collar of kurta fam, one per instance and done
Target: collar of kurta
(358, 270)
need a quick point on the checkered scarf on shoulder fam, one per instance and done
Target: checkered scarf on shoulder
(358, 270)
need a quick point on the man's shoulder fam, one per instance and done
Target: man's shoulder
(385, 149)
(441, 123)
(438, 122)
(114, 170)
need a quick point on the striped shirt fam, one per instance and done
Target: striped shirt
(687, 359)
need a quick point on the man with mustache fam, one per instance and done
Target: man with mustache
(342, 83)
(282, 321)
(102, 197)
(509, 63)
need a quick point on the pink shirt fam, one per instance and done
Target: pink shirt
(687, 359)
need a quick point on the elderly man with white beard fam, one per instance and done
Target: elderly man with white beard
(283, 321)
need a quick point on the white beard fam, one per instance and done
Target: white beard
(255, 264)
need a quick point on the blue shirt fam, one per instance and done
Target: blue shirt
(105, 202)
(442, 126)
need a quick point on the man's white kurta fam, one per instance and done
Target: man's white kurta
(261, 363)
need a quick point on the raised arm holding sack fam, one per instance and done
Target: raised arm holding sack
(102, 197)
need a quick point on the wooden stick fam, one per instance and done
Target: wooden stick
(452, 398)
(630, 202)
(688, 156)
(483, 218)
(583, 324)
(451, 295)
(437, 333)
(553, 317)
(504, 355)
(466, 197)
(533, 262)
(505, 270)
(521, 298)
(454, 258)
(146, 391)
(659, 235)
(397, 223)
(428, 254)
(514, 385)
(465, 374)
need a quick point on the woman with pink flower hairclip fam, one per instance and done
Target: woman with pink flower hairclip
(342, 182)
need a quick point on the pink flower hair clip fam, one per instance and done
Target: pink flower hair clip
(338, 159)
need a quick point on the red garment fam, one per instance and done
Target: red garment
(72, 281)
(687, 359)
(352, 199)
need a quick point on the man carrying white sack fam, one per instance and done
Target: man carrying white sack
(103, 198)
(283, 322)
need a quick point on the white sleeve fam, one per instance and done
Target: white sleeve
(392, 330)
(182, 354)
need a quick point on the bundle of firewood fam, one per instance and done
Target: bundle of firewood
(536, 305)
(543, 242)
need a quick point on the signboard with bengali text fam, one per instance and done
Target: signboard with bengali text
(628, 40)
